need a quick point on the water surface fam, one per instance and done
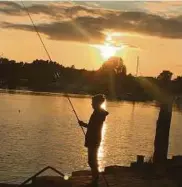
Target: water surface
(45, 132)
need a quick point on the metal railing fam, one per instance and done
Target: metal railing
(38, 173)
(33, 178)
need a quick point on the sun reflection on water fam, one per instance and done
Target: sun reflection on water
(101, 152)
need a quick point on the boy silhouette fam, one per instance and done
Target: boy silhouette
(93, 135)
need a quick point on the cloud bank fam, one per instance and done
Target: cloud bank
(87, 24)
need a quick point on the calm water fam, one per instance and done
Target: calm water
(45, 132)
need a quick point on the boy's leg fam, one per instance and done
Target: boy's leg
(92, 161)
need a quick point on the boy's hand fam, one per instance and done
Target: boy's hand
(81, 123)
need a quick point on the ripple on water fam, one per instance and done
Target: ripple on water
(45, 132)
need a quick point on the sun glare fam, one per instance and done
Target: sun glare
(109, 48)
(109, 38)
(103, 105)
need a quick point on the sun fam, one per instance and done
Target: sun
(109, 48)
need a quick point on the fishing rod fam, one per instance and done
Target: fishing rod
(26, 9)
(35, 27)
(75, 113)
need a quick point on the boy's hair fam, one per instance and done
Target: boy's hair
(99, 98)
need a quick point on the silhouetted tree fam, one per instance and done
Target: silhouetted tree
(164, 79)
(114, 64)
(112, 73)
(177, 85)
(165, 76)
(111, 79)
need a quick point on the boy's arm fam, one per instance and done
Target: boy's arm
(83, 124)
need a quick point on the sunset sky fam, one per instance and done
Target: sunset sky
(85, 34)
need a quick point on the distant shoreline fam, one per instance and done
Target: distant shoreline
(77, 95)
(48, 93)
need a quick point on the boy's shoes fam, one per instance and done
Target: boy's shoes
(95, 182)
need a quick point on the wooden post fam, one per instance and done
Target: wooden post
(162, 133)
(140, 159)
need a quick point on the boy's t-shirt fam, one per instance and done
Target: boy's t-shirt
(94, 130)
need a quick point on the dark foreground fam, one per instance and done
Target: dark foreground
(138, 175)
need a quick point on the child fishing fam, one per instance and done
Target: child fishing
(93, 135)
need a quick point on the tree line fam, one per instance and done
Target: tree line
(110, 79)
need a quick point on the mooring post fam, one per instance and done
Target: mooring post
(162, 132)
(140, 159)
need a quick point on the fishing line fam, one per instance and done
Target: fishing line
(35, 27)
(26, 9)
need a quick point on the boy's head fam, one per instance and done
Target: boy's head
(97, 101)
